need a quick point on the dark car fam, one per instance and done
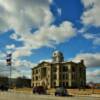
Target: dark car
(60, 91)
(39, 90)
(3, 87)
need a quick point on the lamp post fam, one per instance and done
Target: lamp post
(9, 63)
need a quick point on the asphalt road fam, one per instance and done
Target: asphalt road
(27, 96)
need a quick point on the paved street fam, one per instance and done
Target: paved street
(27, 96)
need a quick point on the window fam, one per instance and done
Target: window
(65, 69)
(33, 71)
(55, 76)
(43, 72)
(66, 77)
(54, 84)
(60, 83)
(54, 69)
(64, 84)
(36, 84)
(63, 76)
(73, 76)
(60, 76)
(36, 71)
(73, 69)
(36, 77)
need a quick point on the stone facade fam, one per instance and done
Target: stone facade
(59, 73)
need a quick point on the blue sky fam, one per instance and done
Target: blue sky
(33, 29)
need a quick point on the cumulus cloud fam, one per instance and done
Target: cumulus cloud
(90, 59)
(90, 17)
(45, 36)
(91, 13)
(22, 15)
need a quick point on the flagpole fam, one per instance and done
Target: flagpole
(10, 76)
(9, 63)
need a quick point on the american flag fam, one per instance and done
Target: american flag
(8, 59)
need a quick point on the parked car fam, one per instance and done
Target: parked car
(60, 91)
(3, 87)
(39, 90)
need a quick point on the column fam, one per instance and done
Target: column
(69, 76)
(49, 77)
(58, 74)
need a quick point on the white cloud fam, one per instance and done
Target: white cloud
(45, 36)
(18, 66)
(94, 37)
(12, 46)
(45, 60)
(2, 55)
(88, 36)
(90, 59)
(21, 51)
(91, 16)
(56, 34)
(4, 70)
(23, 64)
(22, 15)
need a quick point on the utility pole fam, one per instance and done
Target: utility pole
(9, 63)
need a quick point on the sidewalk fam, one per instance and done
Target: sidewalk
(30, 92)
(88, 95)
(95, 95)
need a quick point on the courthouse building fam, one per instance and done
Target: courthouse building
(59, 73)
